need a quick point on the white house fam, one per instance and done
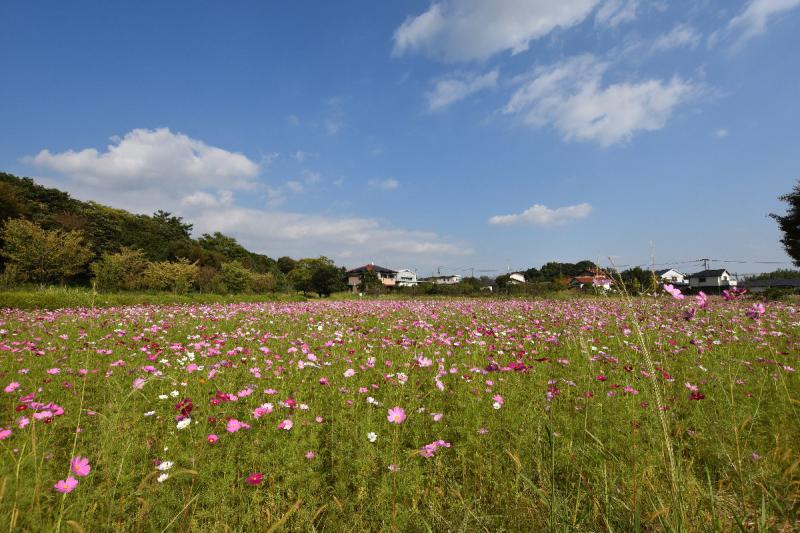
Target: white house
(671, 276)
(718, 278)
(443, 280)
(406, 278)
(516, 278)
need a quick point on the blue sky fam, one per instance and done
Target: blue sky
(452, 134)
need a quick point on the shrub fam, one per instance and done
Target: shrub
(261, 283)
(176, 276)
(120, 271)
(235, 277)
(45, 256)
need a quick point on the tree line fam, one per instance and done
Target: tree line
(48, 237)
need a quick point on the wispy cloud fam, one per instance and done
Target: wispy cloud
(681, 35)
(385, 184)
(463, 30)
(456, 87)
(571, 97)
(541, 215)
(756, 15)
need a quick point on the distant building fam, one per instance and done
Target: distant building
(711, 279)
(406, 278)
(443, 280)
(592, 277)
(516, 278)
(387, 276)
(672, 277)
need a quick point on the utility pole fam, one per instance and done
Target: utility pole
(705, 263)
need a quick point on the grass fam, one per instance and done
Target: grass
(594, 428)
(68, 297)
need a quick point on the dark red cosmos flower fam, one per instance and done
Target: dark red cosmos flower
(184, 407)
(697, 395)
(255, 478)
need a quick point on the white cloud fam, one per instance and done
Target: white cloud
(614, 12)
(388, 184)
(450, 90)
(463, 30)
(301, 235)
(570, 96)
(755, 17)
(173, 178)
(681, 35)
(294, 186)
(720, 133)
(541, 215)
(157, 158)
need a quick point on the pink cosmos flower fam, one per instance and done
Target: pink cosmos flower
(349, 373)
(437, 417)
(11, 387)
(396, 415)
(66, 485)
(310, 455)
(702, 300)
(80, 466)
(262, 410)
(4, 433)
(674, 291)
(255, 478)
(235, 425)
(23, 421)
(286, 425)
(138, 383)
(498, 399)
(212, 438)
(756, 311)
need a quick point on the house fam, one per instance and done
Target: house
(672, 277)
(516, 278)
(387, 276)
(406, 278)
(593, 277)
(443, 280)
(711, 279)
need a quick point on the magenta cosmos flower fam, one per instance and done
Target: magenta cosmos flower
(66, 485)
(255, 478)
(80, 466)
(396, 415)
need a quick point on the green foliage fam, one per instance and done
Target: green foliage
(44, 256)
(263, 283)
(789, 224)
(234, 277)
(286, 264)
(327, 279)
(370, 283)
(301, 277)
(781, 273)
(175, 276)
(554, 270)
(120, 271)
(637, 280)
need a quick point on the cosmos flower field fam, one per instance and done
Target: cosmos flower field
(470, 415)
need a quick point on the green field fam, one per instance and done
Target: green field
(589, 415)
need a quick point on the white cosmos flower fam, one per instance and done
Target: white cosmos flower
(372, 436)
(184, 423)
(162, 478)
(149, 413)
(164, 465)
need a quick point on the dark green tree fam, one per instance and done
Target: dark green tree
(790, 224)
